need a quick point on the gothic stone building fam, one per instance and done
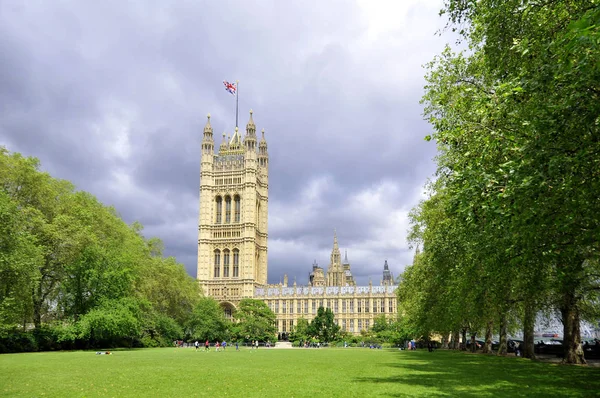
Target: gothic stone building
(232, 244)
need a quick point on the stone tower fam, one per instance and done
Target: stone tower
(232, 230)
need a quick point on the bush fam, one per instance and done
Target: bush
(18, 341)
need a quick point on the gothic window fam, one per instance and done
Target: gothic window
(236, 263)
(283, 306)
(237, 208)
(276, 306)
(360, 305)
(314, 306)
(360, 325)
(335, 306)
(391, 306)
(299, 307)
(382, 305)
(344, 306)
(219, 209)
(366, 324)
(306, 306)
(217, 263)
(367, 305)
(291, 307)
(226, 263)
(351, 305)
(227, 209)
(343, 325)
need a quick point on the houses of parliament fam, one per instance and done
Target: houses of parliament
(232, 244)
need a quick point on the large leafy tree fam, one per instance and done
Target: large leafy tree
(516, 122)
(70, 263)
(323, 326)
(254, 321)
(19, 257)
(207, 321)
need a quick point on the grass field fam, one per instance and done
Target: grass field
(353, 372)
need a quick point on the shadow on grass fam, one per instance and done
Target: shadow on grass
(448, 373)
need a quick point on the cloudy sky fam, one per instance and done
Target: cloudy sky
(113, 95)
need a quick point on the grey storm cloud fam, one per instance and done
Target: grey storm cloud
(113, 96)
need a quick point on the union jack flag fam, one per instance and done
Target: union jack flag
(230, 87)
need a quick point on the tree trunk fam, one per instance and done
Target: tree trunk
(463, 345)
(473, 343)
(445, 337)
(571, 332)
(528, 330)
(37, 306)
(502, 349)
(487, 347)
(456, 338)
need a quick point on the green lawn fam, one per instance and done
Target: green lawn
(352, 372)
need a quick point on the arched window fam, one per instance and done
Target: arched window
(219, 209)
(236, 263)
(237, 208)
(227, 209)
(226, 263)
(217, 263)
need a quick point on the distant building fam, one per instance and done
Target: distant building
(232, 245)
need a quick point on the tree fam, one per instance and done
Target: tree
(207, 321)
(516, 123)
(19, 257)
(323, 326)
(69, 263)
(255, 321)
(301, 331)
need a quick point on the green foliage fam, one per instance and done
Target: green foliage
(301, 331)
(207, 322)
(71, 267)
(323, 326)
(255, 321)
(512, 219)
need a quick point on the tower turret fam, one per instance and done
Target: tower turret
(335, 252)
(224, 146)
(388, 278)
(208, 144)
(250, 141)
(263, 155)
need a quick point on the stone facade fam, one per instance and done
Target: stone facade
(232, 244)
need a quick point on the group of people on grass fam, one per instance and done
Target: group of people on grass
(222, 346)
(218, 346)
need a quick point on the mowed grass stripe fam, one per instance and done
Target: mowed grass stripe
(183, 372)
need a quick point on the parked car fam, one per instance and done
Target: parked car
(550, 347)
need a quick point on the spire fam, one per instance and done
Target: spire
(223, 146)
(208, 128)
(236, 140)
(263, 142)
(250, 138)
(346, 257)
(388, 277)
(208, 145)
(263, 156)
(335, 252)
(250, 126)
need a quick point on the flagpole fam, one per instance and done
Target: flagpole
(237, 90)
